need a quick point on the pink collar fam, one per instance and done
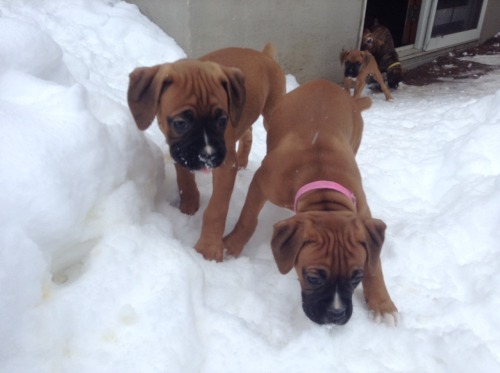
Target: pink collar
(323, 184)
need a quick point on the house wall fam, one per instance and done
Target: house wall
(308, 36)
(491, 24)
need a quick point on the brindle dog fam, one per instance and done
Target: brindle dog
(378, 41)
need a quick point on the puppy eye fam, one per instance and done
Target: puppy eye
(356, 278)
(180, 125)
(222, 122)
(220, 119)
(316, 278)
(182, 122)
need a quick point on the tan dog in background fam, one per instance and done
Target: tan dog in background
(204, 107)
(358, 66)
(332, 241)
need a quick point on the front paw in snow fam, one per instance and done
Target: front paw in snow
(390, 319)
(384, 313)
(233, 244)
(210, 250)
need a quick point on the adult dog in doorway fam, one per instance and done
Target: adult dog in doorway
(377, 40)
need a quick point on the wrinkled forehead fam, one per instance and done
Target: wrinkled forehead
(353, 58)
(338, 257)
(198, 87)
(367, 34)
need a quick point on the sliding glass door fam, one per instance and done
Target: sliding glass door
(453, 22)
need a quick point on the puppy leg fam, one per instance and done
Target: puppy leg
(244, 147)
(394, 77)
(380, 80)
(247, 222)
(214, 218)
(360, 84)
(188, 191)
(377, 297)
(347, 85)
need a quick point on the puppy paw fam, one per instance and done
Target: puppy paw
(384, 312)
(233, 245)
(189, 206)
(391, 319)
(242, 161)
(210, 250)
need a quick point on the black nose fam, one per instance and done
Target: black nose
(351, 70)
(208, 157)
(328, 315)
(351, 73)
(337, 313)
(337, 316)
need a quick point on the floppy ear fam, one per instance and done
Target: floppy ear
(375, 229)
(145, 86)
(236, 92)
(288, 239)
(343, 55)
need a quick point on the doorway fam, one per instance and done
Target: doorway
(399, 16)
(428, 25)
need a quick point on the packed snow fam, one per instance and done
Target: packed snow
(97, 267)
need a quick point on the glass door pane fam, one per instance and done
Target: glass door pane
(454, 16)
(454, 22)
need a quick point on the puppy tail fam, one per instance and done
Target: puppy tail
(270, 51)
(363, 103)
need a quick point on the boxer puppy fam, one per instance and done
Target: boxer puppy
(332, 241)
(358, 66)
(203, 108)
(378, 41)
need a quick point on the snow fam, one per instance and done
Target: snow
(484, 59)
(97, 269)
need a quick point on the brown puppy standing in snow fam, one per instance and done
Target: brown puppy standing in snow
(358, 66)
(332, 241)
(204, 107)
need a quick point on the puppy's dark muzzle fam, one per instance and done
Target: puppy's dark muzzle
(194, 154)
(319, 308)
(351, 69)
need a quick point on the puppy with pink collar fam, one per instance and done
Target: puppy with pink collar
(332, 241)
